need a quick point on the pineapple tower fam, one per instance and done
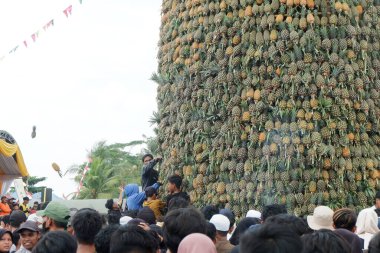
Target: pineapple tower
(271, 101)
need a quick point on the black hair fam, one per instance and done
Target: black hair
(211, 231)
(209, 210)
(25, 198)
(345, 218)
(241, 227)
(181, 222)
(374, 244)
(176, 180)
(5, 219)
(145, 156)
(377, 211)
(103, 238)
(230, 215)
(113, 217)
(159, 233)
(131, 213)
(109, 204)
(56, 242)
(271, 210)
(271, 238)
(297, 224)
(86, 223)
(147, 215)
(324, 241)
(61, 224)
(177, 202)
(3, 232)
(128, 239)
(150, 191)
(16, 218)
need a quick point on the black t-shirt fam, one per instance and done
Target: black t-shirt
(183, 195)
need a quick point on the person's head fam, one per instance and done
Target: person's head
(29, 234)
(26, 200)
(321, 218)
(297, 224)
(211, 231)
(367, 222)
(86, 223)
(345, 218)
(271, 238)
(35, 205)
(174, 183)
(5, 222)
(133, 239)
(103, 238)
(131, 189)
(181, 222)
(230, 215)
(6, 239)
(241, 227)
(16, 206)
(195, 243)
(177, 202)
(377, 199)
(324, 241)
(113, 217)
(147, 158)
(147, 215)
(4, 199)
(55, 216)
(157, 230)
(150, 192)
(374, 244)
(111, 205)
(221, 223)
(16, 218)
(271, 210)
(209, 210)
(56, 242)
(253, 214)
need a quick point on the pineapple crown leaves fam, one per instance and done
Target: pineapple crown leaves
(159, 79)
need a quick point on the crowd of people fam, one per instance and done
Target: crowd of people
(150, 224)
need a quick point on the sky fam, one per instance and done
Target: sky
(84, 80)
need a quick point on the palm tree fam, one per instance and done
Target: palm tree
(111, 167)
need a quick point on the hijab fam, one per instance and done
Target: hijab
(195, 243)
(367, 222)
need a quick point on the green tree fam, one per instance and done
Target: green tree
(31, 182)
(111, 167)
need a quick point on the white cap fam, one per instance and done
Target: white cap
(34, 217)
(221, 222)
(254, 214)
(124, 220)
(321, 218)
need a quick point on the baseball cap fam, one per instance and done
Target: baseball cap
(28, 225)
(221, 222)
(321, 218)
(254, 214)
(16, 218)
(56, 211)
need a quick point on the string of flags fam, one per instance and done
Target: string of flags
(34, 36)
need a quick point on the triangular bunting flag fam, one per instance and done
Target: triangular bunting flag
(68, 10)
(48, 24)
(34, 36)
(25, 43)
(14, 49)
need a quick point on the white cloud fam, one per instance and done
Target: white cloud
(86, 79)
